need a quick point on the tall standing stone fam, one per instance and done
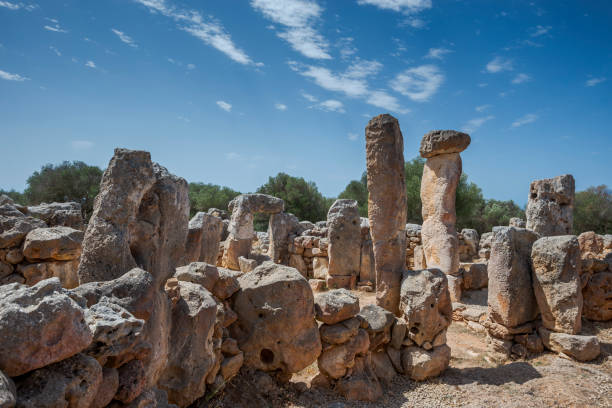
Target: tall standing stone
(439, 183)
(204, 237)
(550, 208)
(511, 298)
(386, 206)
(280, 227)
(344, 233)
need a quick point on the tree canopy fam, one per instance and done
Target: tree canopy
(593, 210)
(204, 196)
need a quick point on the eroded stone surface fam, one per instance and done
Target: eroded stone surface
(550, 206)
(344, 238)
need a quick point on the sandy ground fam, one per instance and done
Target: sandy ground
(470, 381)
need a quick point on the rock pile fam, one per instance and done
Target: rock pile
(32, 250)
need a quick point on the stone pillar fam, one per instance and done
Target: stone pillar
(241, 231)
(204, 237)
(441, 175)
(280, 226)
(386, 206)
(344, 251)
(550, 208)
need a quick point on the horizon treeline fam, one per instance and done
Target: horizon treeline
(78, 181)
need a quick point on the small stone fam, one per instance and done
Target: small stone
(335, 306)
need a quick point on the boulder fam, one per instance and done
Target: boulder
(517, 222)
(132, 381)
(550, 206)
(468, 246)
(247, 265)
(383, 368)
(344, 238)
(201, 273)
(191, 356)
(484, 245)
(439, 142)
(475, 275)
(203, 238)
(276, 328)
(115, 332)
(420, 364)
(59, 214)
(511, 297)
(335, 362)
(582, 348)
(297, 261)
(556, 282)
(425, 303)
(377, 322)
(39, 325)
(149, 398)
(8, 392)
(65, 271)
(335, 306)
(14, 226)
(72, 382)
(107, 389)
(597, 299)
(339, 333)
(362, 384)
(320, 266)
(386, 206)
(227, 284)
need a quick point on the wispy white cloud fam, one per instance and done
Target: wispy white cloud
(232, 156)
(347, 47)
(594, 81)
(207, 29)
(281, 106)
(483, 85)
(520, 78)
(405, 6)
(55, 50)
(539, 30)
(352, 136)
(12, 77)
(225, 106)
(482, 108)
(91, 64)
(419, 83)
(415, 22)
(82, 144)
(309, 97)
(125, 38)
(437, 53)
(9, 5)
(474, 124)
(299, 19)
(352, 83)
(499, 64)
(183, 118)
(55, 28)
(191, 66)
(331, 105)
(524, 120)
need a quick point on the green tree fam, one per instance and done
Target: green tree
(14, 195)
(593, 210)
(68, 181)
(302, 198)
(413, 172)
(469, 205)
(497, 212)
(358, 190)
(204, 196)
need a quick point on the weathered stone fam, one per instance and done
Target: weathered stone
(582, 348)
(377, 322)
(14, 226)
(227, 284)
(420, 262)
(320, 267)
(274, 300)
(297, 261)
(420, 364)
(59, 214)
(339, 333)
(191, 355)
(231, 366)
(150, 398)
(344, 238)
(425, 303)
(107, 389)
(341, 282)
(386, 206)
(438, 187)
(8, 392)
(280, 227)
(317, 285)
(335, 306)
(398, 333)
(14, 256)
(597, 299)
(455, 283)
(203, 238)
(468, 246)
(72, 382)
(362, 384)
(439, 142)
(134, 291)
(59, 243)
(556, 282)
(114, 329)
(132, 381)
(484, 246)
(532, 342)
(201, 273)
(475, 276)
(246, 265)
(511, 298)
(39, 325)
(383, 368)
(367, 271)
(551, 205)
(335, 361)
(66, 271)
(517, 222)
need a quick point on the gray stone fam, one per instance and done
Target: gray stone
(550, 206)
(280, 227)
(7, 388)
(14, 226)
(335, 306)
(420, 364)
(344, 250)
(582, 348)
(201, 273)
(203, 238)
(439, 142)
(59, 214)
(107, 389)
(556, 282)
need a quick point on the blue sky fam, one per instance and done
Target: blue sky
(233, 91)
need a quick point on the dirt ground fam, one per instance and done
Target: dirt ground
(470, 381)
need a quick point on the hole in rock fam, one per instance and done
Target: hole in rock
(432, 305)
(260, 315)
(267, 356)
(414, 330)
(534, 195)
